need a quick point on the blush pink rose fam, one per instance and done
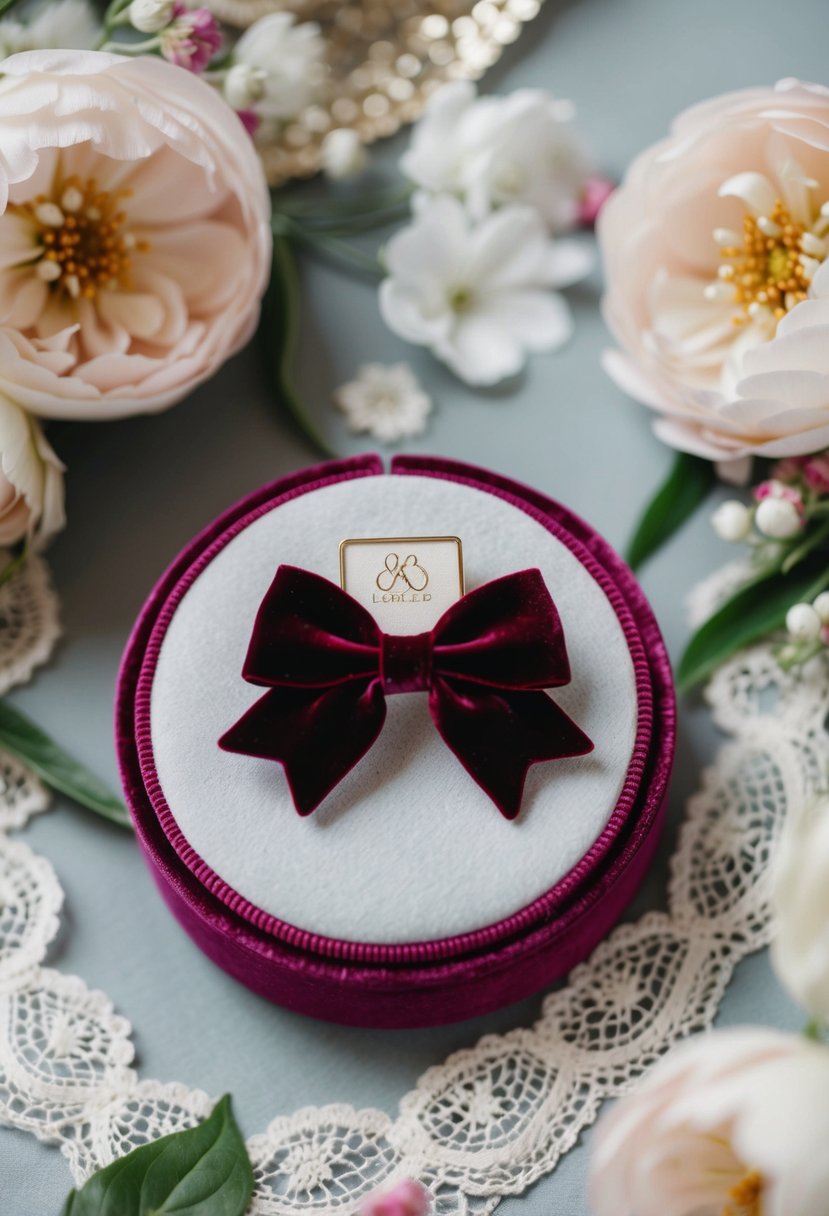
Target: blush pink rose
(715, 250)
(134, 233)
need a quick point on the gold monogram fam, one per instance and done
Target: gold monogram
(409, 571)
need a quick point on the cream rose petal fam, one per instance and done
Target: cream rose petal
(178, 154)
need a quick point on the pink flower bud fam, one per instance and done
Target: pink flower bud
(405, 1198)
(192, 39)
(594, 196)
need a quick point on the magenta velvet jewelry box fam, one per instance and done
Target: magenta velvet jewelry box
(405, 899)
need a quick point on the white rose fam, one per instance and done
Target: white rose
(800, 901)
(31, 480)
(732, 1123)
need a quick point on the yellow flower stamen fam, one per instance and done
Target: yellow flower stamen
(746, 1197)
(85, 248)
(770, 272)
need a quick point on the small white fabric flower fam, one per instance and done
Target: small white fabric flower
(477, 293)
(289, 55)
(386, 402)
(343, 154)
(490, 151)
(800, 905)
(54, 24)
(731, 1123)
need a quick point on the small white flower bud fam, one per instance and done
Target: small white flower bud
(777, 518)
(732, 520)
(821, 607)
(803, 623)
(150, 16)
(343, 154)
(243, 86)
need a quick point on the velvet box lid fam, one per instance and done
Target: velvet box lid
(405, 899)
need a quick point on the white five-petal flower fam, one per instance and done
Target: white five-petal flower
(477, 294)
(386, 402)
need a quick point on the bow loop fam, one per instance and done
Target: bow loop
(310, 634)
(507, 634)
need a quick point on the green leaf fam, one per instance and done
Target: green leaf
(756, 610)
(22, 738)
(277, 338)
(6, 5)
(204, 1171)
(688, 484)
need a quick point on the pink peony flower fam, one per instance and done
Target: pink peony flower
(192, 38)
(715, 251)
(134, 233)
(732, 1123)
(405, 1198)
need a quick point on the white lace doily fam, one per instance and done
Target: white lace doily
(29, 624)
(490, 1120)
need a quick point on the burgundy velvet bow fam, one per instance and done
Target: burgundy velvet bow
(329, 668)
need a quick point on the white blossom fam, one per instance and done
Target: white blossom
(800, 904)
(477, 294)
(490, 151)
(385, 401)
(58, 24)
(289, 55)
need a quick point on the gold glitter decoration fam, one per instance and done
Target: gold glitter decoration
(384, 57)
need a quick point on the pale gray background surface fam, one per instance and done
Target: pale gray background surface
(139, 490)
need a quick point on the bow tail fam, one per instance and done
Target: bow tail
(497, 734)
(318, 735)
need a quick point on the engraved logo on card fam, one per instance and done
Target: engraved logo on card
(402, 582)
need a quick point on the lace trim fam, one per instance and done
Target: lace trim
(490, 1120)
(29, 626)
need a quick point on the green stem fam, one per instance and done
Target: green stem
(813, 1030)
(341, 252)
(278, 332)
(14, 565)
(132, 48)
(365, 206)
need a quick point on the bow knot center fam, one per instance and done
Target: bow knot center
(406, 662)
